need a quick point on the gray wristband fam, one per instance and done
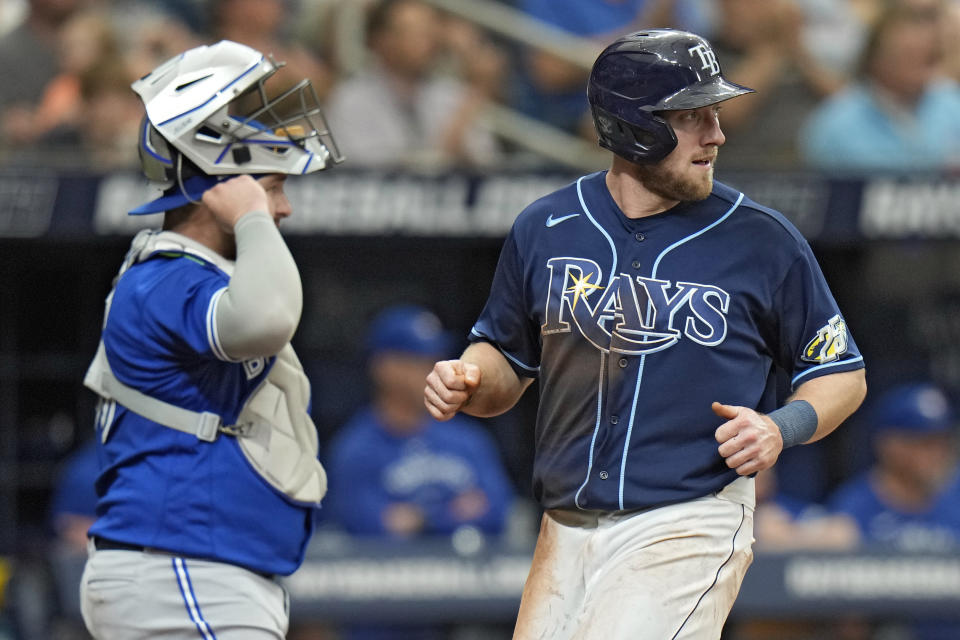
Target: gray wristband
(797, 421)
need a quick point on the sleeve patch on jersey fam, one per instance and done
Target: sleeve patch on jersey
(829, 344)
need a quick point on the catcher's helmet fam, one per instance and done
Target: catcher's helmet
(208, 114)
(644, 73)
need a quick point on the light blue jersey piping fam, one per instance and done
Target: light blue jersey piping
(505, 354)
(603, 356)
(793, 383)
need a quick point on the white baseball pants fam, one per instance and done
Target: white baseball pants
(668, 573)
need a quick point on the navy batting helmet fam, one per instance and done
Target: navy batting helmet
(647, 72)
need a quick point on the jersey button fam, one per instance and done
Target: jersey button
(635, 264)
(640, 237)
(622, 362)
(604, 475)
(614, 419)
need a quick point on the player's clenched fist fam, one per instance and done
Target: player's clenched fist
(749, 442)
(450, 386)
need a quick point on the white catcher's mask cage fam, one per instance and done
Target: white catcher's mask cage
(210, 105)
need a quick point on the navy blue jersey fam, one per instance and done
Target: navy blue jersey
(164, 488)
(634, 327)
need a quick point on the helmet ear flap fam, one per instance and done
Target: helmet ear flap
(649, 139)
(159, 158)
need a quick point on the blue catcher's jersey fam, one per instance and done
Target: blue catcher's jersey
(164, 488)
(634, 327)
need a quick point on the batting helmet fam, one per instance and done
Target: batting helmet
(208, 114)
(647, 72)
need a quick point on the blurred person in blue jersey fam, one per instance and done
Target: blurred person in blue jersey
(73, 505)
(909, 499)
(396, 472)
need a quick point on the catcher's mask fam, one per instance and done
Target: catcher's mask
(209, 116)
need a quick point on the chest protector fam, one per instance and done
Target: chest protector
(273, 429)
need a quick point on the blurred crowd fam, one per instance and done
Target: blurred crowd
(859, 85)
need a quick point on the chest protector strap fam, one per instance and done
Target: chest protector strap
(274, 430)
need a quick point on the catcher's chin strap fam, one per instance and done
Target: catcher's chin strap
(183, 190)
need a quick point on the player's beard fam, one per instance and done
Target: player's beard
(670, 184)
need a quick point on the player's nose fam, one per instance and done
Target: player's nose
(713, 133)
(283, 208)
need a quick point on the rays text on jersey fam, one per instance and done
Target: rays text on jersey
(632, 315)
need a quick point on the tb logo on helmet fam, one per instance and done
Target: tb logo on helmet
(707, 57)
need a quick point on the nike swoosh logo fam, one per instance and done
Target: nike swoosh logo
(552, 222)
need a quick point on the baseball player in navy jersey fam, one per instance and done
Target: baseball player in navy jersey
(653, 305)
(209, 479)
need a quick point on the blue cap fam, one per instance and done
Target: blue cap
(920, 408)
(408, 329)
(193, 187)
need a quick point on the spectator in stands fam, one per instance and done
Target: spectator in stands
(87, 115)
(951, 40)
(12, 15)
(902, 113)
(782, 522)
(73, 506)
(762, 45)
(29, 55)
(264, 25)
(151, 32)
(909, 500)
(550, 88)
(834, 31)
(43, 593)
(397, 473)
(110, 114)
(85, 39)
(399, 111)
